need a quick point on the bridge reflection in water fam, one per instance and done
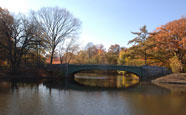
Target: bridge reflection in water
(105, 81)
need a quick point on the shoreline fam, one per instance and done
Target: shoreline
(175, 78)
(4, 76)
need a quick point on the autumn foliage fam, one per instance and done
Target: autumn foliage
(172, 38)
(165, 43)
(165, 46)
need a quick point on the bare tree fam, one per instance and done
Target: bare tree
(66, 53)
(16, 36)
(57, 25)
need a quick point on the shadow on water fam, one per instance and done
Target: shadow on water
(71, 84)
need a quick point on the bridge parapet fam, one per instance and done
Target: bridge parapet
(144, 72)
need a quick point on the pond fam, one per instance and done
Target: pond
(67, 97)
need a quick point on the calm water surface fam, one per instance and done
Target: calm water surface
(66, 97)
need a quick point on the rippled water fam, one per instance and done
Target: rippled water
(66, 97)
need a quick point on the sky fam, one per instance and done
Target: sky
(109, 22)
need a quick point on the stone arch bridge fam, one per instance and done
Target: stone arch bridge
(144, 72)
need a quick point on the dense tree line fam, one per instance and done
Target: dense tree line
(97, 54)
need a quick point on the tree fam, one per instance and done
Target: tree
(123, 56)
(175, 64)
(57, 25)
(66, 53)
(92, 54)
(113, 54)
(4, 15)
(81, 57)
(140, 40)
(101, 54)
(38, 47)
(96, 54)
(16, 36)
(170, 39)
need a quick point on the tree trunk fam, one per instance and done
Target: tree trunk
(61, 59)
(13, 68)
(145, 57)
(52, 55)
(70, 58)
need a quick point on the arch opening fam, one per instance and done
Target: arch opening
(98, 78)
(108, 72)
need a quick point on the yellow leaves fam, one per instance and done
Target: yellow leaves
(175, 64)
(121, 53)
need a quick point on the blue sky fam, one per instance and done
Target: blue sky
(109, 21)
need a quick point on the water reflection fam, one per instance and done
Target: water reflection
(105, 81)
(176, 89)
(66, 97)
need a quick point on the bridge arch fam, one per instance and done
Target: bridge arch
(73, 69)
(102, 69)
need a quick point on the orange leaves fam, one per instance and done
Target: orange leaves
(165, 42)
(170, 40)
(100, 51)
(173, 33)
